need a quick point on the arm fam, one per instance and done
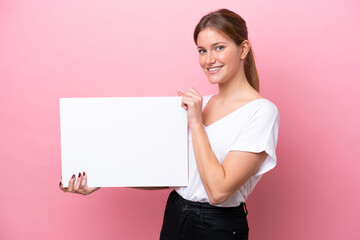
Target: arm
(222, 180)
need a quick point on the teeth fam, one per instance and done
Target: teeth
(214, 69)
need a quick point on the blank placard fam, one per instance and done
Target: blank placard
(124, 141)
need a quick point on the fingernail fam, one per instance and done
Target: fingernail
(83, 173)
(79, 174)
(73, 176)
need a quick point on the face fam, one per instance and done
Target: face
(219, 56)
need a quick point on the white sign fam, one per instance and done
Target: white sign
(124, 141)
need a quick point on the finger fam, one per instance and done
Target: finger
(71, 183)
(179, 93)
(62, 188)
(78, 182)
(193, 95)
(188, 101)
(185, 102)
(194, 91)
(86, 189)
(183, 105)
(84, 182)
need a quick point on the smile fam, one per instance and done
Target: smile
(214, 69)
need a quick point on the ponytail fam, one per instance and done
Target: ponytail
(251, 71)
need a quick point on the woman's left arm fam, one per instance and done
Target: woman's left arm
(220, 180)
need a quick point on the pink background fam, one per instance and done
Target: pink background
(307, 54)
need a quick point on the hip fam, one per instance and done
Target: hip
(184, 219)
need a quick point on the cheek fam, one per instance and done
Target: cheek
(225, 58)
(202, 61)
(230, 59)
(222, 57)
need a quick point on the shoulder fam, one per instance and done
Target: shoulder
(264, 103)
(263, 108)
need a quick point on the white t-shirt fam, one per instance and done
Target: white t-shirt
(251, 128)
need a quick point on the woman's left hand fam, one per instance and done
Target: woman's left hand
(192, 103)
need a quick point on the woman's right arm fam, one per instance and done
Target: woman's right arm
(80, 186)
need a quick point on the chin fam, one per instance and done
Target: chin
(214, 81)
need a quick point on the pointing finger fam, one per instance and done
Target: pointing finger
(193, 95)
(193, 90)
(179, 93)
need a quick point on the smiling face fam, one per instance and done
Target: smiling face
(219, 56)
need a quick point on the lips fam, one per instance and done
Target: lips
(214, 69)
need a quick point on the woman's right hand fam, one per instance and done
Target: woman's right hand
(80, 186)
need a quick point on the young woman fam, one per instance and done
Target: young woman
(232, 138)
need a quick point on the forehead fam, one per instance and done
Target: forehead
(209, 36)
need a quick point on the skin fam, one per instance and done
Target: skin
(220, 180)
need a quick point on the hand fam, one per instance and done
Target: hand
(192, 103)
(80, 186)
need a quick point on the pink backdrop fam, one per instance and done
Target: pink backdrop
(308, 59)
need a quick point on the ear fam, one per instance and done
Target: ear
(245, 49)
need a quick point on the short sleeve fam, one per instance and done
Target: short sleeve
(260, 133)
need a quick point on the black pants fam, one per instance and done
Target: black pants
(189, 220)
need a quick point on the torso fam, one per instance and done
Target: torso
(223, 125)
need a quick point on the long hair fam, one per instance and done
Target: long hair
(234, 26)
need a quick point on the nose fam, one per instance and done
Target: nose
(211, 58)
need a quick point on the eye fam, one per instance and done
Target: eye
(202, 51)
(219, 48)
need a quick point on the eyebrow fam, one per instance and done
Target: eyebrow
(214, 44)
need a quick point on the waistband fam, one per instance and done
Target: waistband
(187, 203)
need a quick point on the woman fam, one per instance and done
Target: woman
(232, 138)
